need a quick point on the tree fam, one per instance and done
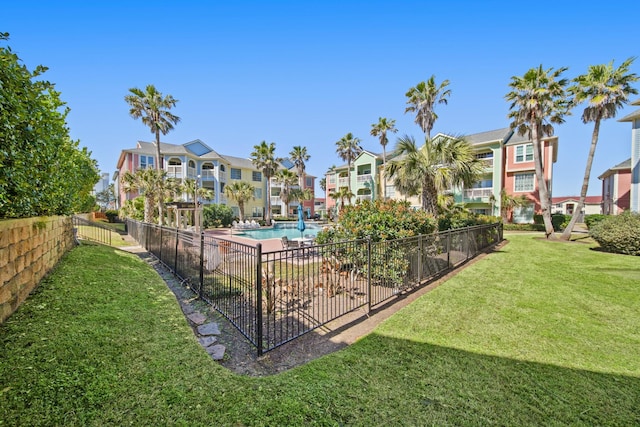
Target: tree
(348, 148)
(538, 99)
(288, 179)
(341, 194)
(299, 156)
(42, 170)
(606, 90)
(153, 108)
(241, 192)
(437, 166)
(380, 129)
(263, 157)
(508, 203)
(422, 98)
(151, 184)
(105, 197)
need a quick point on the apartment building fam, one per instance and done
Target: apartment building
(508, 161)
(634, 162)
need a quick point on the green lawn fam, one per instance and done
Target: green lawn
(538, 333)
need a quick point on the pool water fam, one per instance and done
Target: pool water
(278, 231)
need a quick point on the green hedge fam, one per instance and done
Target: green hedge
(593, 219)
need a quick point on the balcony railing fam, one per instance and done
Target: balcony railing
(174, 171)
(192, 173)
(222, 176)
(363, 197)
(488, 162)
(208, 174)
(363, 178)
(478, 193)
(343, 182)
(276, 200)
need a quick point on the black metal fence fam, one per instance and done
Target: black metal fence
(91, 230)
(275, 297)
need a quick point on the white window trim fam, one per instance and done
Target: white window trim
(524, 153)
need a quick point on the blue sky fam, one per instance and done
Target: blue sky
(306, 73)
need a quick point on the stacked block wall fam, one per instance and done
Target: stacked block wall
(29, 249)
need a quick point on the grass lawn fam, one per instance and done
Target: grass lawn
(539, 333)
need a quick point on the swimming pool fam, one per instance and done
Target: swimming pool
(279, 230)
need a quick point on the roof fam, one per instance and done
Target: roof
(626, 165)
(633, 116)
(589, 200)
(498, 135)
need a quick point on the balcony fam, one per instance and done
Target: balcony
(208, 174)
(362, 198)
(478, 194)
(343, 182)
(174, 171)
(276, 200)
(363, 178)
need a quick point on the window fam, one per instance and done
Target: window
(486, 155)
(308, 182)
(523, 182)
(236, 173)
(524, 153)
(146, 162)
(255, 176)
(257, 193)
(257, 212)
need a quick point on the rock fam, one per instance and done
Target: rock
(216, 351)
(207, 341)
(209, 329)
(197, 318)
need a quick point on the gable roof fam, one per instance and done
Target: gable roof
(626, 165)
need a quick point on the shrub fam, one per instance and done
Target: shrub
(523, 227)
(112, 215)
(559, 221)
(464, 218)
(591, 220)
(618, 233)
(217, 215)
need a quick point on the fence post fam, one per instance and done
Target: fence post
(420, 257)
(448, 249)
(259, 299)
(175, 257)
(201, 281)
(160, 248)
(369, 287)
(468, 244)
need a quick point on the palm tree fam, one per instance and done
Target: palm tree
(606, 90)
(299, 156)
(437, 166)
(422, 98)
(153, 108)
(342, 194)
(508, 203)
(264, 158)
(288, 179)
(348, 149)
(241, 192)
(151, 184)
(538, 99)
(380, 129)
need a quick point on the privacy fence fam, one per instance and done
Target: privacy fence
(275, 297)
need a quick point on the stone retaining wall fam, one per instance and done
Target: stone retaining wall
(29, 249)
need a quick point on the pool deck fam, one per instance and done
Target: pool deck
(268, 245)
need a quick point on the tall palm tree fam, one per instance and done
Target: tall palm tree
(299, 156)
(380, 129)
(151, 184)
(538, 99)
(422, 98)
(606, 90)
(348, 148)
(437, 166)
(153, 108)
(288, 179)
(241, 192)
(264, 158)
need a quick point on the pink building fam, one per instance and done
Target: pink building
(616, 188)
